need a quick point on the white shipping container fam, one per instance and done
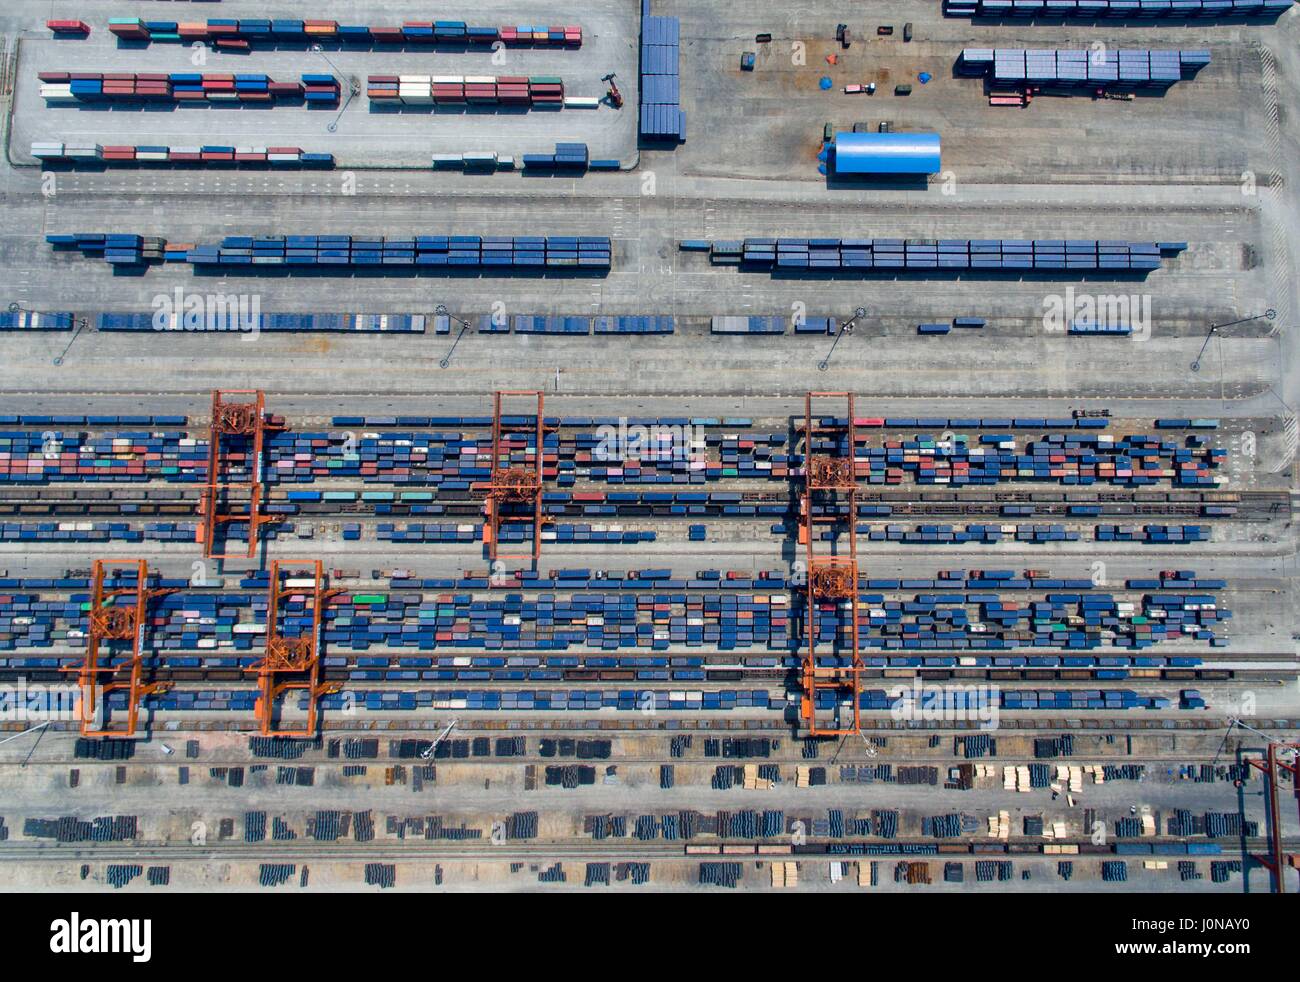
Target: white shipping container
(581, 102)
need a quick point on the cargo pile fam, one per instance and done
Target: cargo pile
(1116, 9)
(207, 87)
(923, 255)
(226, 33)
(1082, 69)
(662, 117)
(205, 154)
(519, 252)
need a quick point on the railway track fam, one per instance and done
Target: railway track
(596, 850)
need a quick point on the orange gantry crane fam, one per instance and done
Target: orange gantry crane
(514, 490)
(237, 415)
(292, 662)
(118, 616)
(830, 486)
(1272, 767)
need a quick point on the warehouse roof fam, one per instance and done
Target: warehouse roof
(886, 153)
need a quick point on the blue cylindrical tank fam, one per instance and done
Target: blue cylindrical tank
(886, 153)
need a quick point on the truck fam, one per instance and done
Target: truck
(907, 31)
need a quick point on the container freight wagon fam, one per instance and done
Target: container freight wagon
(216, 89)
(536, 254)
(240, 34)
(1117, 10)
(205, 154)
(662, 117)
(538, 91)
(886, 153)
(1083, 70)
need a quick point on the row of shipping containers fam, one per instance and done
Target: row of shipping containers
(641, 615)
(448, 532)
(1125, 67)
(1056, 255)
(1117, 9)
(236, 320)
(232, 320)
(661, 115)
(567, 158)
(540, 91)
(450, 461)
(36, 320)
(216, 88)
(241, 34)
(586, 252)
(201, 154)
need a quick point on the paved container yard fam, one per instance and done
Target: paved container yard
(1069, 561)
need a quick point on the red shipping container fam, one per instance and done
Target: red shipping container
(52, 76)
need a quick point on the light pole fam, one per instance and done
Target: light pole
(442, 311)
(354, 87)
(1214, 329)
(427, 753)
(80, 324)
(845, 328)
